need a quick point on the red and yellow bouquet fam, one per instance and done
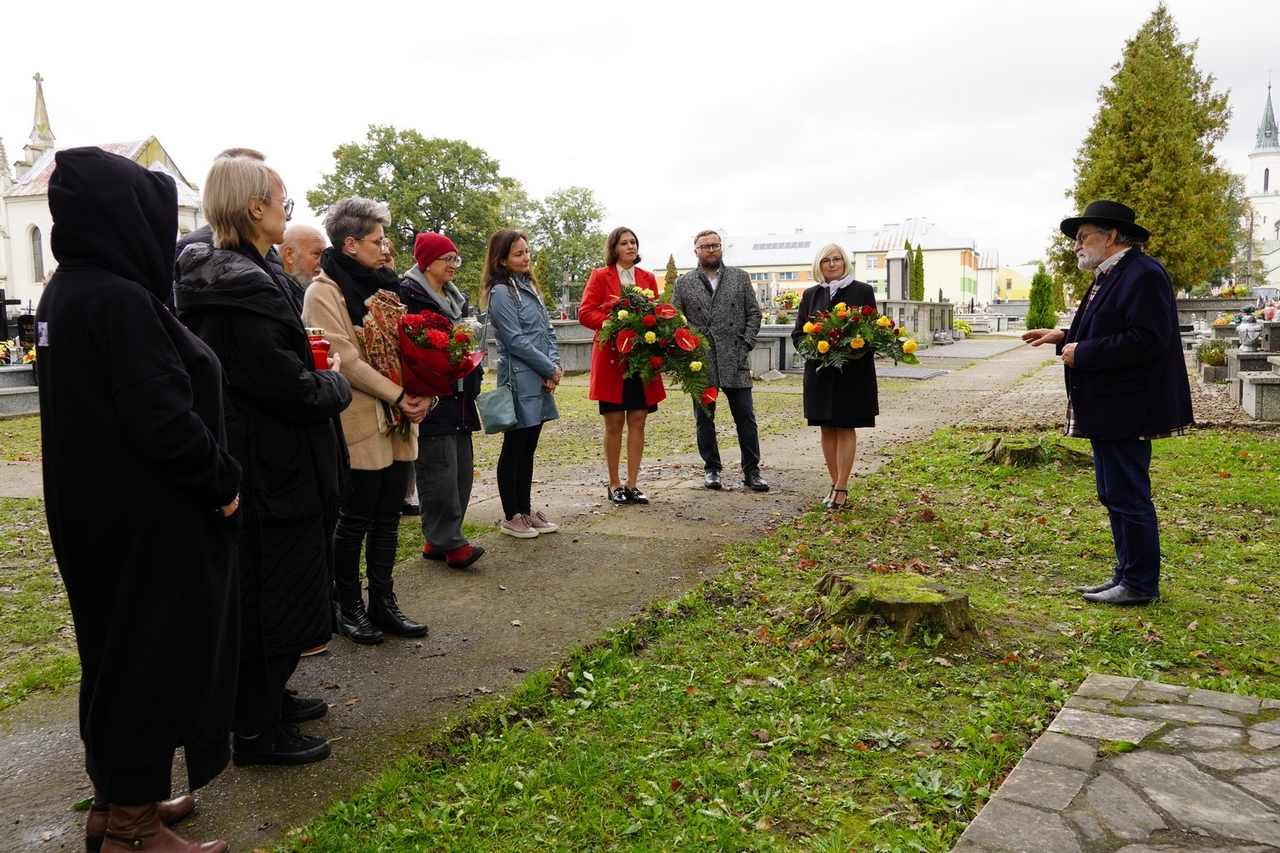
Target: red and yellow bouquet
(653, 337)
(834, 337)
(436, 353)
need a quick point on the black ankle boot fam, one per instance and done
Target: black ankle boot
(385, 613)
(353, 620)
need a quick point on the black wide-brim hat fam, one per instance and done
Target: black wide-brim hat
(1111, 214)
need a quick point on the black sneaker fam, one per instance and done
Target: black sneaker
(295, 710)
(636, 496)
(281, 745)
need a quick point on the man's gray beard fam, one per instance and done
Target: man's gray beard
(302, 279)
(1087, 262)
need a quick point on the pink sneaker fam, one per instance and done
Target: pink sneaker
(539, 522)
(518, 527)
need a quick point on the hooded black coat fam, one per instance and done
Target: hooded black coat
(135, 470)
(280, 417)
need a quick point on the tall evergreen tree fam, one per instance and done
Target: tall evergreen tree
(1152, 147)
(917, 274)
(669, 280)
(1040, 315)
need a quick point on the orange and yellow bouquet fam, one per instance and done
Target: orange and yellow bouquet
(835, 337)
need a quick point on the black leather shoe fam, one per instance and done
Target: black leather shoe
(636, 496)
(281, 745)
(618, 496)
(712, 480)
(409, 509)
(353, 620)
(755, 482)
(1121, 596)
(295, 710)
(384, 611)
(1102, 587)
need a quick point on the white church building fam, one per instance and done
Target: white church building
(25, 258)
(1263, 191)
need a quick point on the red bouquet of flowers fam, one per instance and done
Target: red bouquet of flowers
(436, 353)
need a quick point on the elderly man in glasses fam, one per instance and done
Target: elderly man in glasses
(719, 303)
(1126, 385)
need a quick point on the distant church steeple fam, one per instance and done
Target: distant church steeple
(1268, 133)
(6, 177)
(41, 133)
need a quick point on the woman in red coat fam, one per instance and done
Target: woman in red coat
(622, 401)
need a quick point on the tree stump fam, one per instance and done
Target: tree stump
(1023, 452)
(901, 600)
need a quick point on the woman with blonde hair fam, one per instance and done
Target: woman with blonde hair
(528, 362)
(623, 401)
(280, 413)
(837, 400)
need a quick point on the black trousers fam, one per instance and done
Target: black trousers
(370, 519)
(515, 470)
(260, 690)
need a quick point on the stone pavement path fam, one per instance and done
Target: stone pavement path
(1196, 770)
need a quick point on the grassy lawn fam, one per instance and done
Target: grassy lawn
(734, 719)
(20, 439)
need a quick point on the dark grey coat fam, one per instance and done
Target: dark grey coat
(729, 319)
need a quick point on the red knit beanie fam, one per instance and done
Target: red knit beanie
(428, 246)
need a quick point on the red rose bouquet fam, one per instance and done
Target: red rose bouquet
(835, 337)
(654, 338)
(436, 353)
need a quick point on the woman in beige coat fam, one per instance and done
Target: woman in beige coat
(354, 299)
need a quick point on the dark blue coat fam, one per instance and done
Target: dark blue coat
(1129, 378)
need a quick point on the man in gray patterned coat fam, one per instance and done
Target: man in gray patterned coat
(719, 302)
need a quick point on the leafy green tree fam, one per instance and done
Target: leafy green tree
(1040, 315)
(1151, 147)
(442, 185)
(1058, 293)
(669, 280)
(917, 274)
(569, 231)
(518, 210)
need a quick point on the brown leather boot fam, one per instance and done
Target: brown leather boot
(131, 828)
(95, 827)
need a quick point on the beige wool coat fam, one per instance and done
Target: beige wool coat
(324, 307)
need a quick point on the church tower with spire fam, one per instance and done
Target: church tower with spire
(1264, 176)
(41, 134)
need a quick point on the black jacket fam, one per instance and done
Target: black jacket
(457, 413)
(281, 415)
(838, 395)
(135, 470)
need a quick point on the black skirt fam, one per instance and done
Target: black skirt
(632, 398)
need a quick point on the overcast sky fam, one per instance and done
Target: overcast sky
(750, 117)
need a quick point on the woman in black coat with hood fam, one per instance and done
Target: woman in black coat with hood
(141, 495)
(281, 415)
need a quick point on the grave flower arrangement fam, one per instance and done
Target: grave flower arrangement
(1230, 291)
(844, 333)
(436, 353)
(653, 337)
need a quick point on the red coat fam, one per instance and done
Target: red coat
(606, 362)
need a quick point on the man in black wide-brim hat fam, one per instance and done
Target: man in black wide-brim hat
(1126, 385)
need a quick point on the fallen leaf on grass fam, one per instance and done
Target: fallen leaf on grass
(761, 735)
(483, 690)
(996, 738)
(351, 702)
(942, 662)
(860, 746)
(676, 784)
(1195, 623)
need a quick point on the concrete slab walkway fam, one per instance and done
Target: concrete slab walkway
(1137, 766)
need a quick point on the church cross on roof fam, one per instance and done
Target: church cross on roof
(1268, 132)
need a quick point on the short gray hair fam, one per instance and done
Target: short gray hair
(354, 217)
(1126, 239)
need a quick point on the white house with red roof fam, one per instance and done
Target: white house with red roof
(25, 223)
